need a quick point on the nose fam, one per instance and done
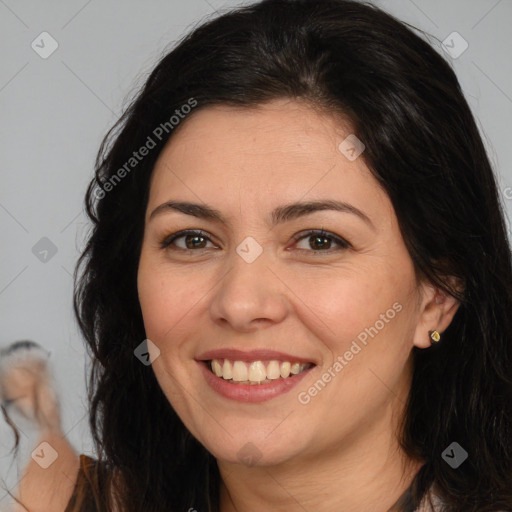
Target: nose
(250, 295)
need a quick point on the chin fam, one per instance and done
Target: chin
(253, 451)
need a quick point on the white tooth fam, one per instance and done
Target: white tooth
(227, 370)
(273, 371)
(257, 371)
(217, 368)
(295, 368)
(239, 371)
(285, 369)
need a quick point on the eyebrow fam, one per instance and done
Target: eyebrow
(279, 215)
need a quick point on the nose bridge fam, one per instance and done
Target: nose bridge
(249, 290)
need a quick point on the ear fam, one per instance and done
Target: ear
(437, 309)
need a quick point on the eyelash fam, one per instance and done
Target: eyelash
(166, 242)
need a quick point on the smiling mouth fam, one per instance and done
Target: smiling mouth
(255, 372)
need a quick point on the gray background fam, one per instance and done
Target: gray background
(55, 111)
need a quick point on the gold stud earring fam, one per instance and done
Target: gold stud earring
(434, 336)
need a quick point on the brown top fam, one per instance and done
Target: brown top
(88, 468)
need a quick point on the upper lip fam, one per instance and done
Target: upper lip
(251, 355)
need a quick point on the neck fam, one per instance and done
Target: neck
(368, 471)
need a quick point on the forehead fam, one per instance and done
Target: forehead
(284, 150)
(277, 128)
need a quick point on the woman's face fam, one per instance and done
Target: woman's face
(257, 293)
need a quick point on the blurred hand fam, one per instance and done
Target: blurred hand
(26, 385)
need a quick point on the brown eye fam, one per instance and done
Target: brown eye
(192, 240)
(321, 241)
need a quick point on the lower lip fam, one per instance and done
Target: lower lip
(247, 392)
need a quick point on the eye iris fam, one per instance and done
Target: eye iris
(316, 238)
(195, 238)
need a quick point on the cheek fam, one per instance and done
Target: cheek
(345, 304)
(170, 301)
(161, 299)
(368, 339)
